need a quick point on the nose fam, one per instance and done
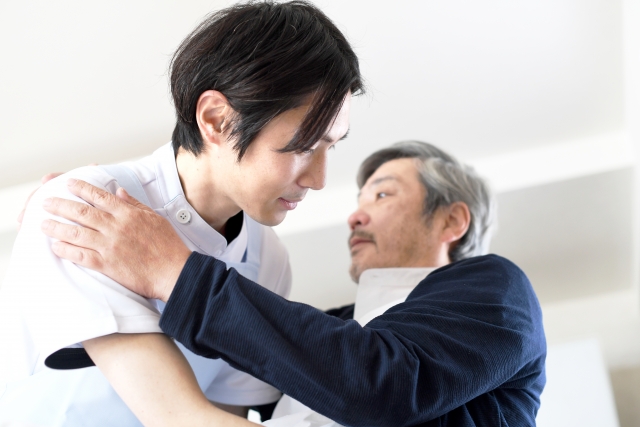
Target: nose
(359, 217)
(315, 176)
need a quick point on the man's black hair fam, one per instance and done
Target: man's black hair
(265, 58)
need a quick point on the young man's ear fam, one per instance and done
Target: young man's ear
(213, 114)
(457, 219)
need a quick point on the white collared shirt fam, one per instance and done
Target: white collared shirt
(379, 289)
(47, 304)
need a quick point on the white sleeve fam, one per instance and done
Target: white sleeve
(60, 303)
(233, 387)
(301, 419)
(275, 270)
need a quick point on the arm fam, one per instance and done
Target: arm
(146, 369)
(155, 381)
(240, 411)
(420, 360)
(469, 330)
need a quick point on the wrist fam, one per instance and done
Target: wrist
(173, 274)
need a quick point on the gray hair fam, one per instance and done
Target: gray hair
(446, 181)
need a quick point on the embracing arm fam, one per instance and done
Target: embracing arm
(418, 361)
(154, 379)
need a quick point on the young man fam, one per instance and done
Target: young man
(438, 336)
(262, 92)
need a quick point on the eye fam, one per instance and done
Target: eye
(381, 195)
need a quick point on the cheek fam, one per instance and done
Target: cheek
(397, 228)
(266, 181)
(283, 173)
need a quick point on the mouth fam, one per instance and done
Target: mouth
(288, 204)
(358, 241)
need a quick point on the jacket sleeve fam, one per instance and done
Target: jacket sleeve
(460, 334)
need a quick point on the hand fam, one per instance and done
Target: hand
(48, 177)
(118, 237)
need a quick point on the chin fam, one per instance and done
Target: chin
(270, 219)
(355, 272)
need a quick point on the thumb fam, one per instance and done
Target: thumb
(123, 195)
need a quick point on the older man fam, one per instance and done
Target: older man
(439, 335)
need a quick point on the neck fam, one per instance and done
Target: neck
(198, 180)
(441, 259)
(435, 259)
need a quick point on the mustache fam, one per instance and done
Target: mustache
(361, 234)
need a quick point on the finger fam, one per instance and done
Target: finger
(75, 234)
(80, 213)
(20, 217)
(29, 199)
(95, 196)
(123, 195)
(48, 177)
(77, 255)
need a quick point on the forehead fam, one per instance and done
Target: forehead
(399, 171)
(340, 125)
(288, 122)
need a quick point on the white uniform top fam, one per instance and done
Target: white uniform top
(379, 289)
(47, 304)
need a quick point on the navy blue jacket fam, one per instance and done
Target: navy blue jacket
(467, 348)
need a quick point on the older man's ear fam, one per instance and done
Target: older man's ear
(456, 220)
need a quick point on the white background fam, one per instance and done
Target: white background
(542, 97)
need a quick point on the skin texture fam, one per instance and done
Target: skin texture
(389, 228)
(261, 184)
(152, 363)
(113, 229)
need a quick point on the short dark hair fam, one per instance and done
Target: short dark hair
(446, 181)
(265, 58)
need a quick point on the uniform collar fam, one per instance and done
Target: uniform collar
(197, 230)
(384, 287)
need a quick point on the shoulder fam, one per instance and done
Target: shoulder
(94, 175)
(275, 271)
(488, 271)
(491, 262)
(487, 285)
(58, 187)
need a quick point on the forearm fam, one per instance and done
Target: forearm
(154, 379)
(337, 368)
(450, 342)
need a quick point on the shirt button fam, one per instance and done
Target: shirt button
(183, 216)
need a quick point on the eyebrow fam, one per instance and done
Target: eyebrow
(327, 139)
(384, 178)
(379, 180)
